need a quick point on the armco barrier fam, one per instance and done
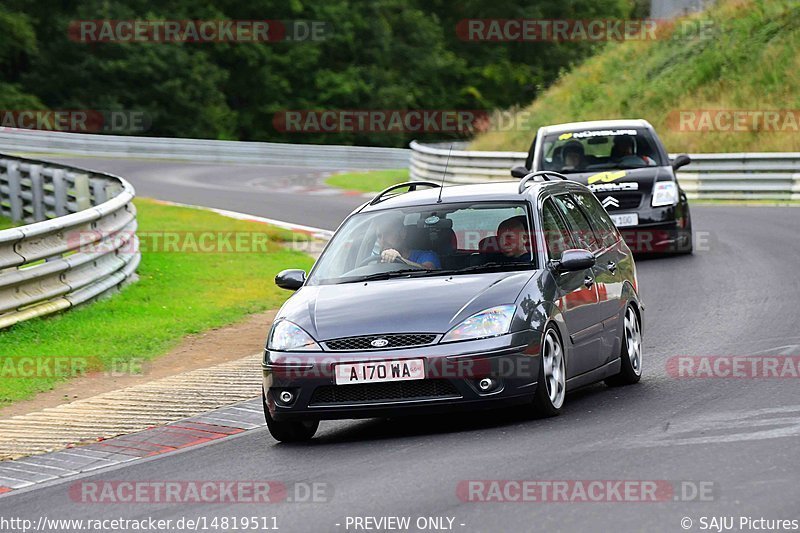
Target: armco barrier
(204, 150)
(747, 176)
(45, 266)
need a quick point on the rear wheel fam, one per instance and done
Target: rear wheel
(631, 351)
(552, 386)
(289, 430)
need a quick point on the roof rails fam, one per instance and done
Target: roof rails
(542, 175)
(412, 186)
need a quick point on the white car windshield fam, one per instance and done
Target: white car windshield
(440, 239)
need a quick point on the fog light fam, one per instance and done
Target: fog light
(486, 384)
(286, 397)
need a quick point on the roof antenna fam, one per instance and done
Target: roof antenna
(444, 175)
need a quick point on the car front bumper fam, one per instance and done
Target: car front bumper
(453, 371)
(660, 230)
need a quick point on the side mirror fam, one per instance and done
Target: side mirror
(575, 260)
(681, 161)
(519, 172)
(290, 279)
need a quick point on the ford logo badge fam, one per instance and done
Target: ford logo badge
(379, 343)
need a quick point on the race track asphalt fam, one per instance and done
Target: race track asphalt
(737, 295)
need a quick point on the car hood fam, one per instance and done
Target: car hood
(404, 305)
(598, 180)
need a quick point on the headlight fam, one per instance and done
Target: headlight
(287, 336)
(488, 323)
(665, 193)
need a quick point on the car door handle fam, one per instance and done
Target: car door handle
(588, 281)
(612, 267)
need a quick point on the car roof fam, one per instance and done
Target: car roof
(596, 124)
(499, 191)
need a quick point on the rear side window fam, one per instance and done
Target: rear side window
(605, 230)
(556, 233)
(582, 232)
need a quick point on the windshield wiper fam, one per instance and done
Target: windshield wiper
(387, 275)
(484, 267)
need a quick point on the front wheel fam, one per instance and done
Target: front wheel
(552, 386)
(289, 430)
(631, 352)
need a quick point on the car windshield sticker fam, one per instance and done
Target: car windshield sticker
(606, 177)
(594, 133)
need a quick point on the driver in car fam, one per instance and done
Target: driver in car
(573, 156)
(392, 239)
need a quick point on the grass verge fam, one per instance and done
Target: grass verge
(6, 223)
(740, 56)
(177, 294)
(373, 181)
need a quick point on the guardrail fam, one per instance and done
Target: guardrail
(79, 243)
(205, 150)
(745, 176)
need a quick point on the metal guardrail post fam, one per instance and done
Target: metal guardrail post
(98, 190)
(37, 193)
(14, 192)
(60, 198)
(83, 197)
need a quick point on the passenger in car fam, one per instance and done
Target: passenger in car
(513, 240)
(394, 246)
(624, 148)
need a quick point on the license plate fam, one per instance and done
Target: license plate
(628, 219)
(379, 371)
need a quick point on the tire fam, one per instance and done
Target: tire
(552, 387)
(630, 352)
(685, 243)
(289, 430)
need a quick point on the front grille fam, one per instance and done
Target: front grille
(626, 200)
(394, 341)
(382, 392)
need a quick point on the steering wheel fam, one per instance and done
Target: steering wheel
(368, 260)
(374, 258)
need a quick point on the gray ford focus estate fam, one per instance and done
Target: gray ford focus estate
(463, 297)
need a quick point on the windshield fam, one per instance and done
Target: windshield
(589, 150)
(434, 240)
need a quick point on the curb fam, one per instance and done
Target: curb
(131, 409)
(178, 435)
(317, 233)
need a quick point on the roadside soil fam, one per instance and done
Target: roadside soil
(196, 351)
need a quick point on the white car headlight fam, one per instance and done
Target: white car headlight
(488, 323)
(287, 336)
(665, 193)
